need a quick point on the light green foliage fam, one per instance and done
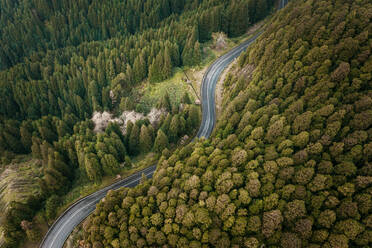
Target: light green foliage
(289, 162)
(301, 140)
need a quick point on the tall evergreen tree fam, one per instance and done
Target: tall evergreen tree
(197, 54)
(155, 69)
(139, 68)
(167, 64)
(161, 141)
(165, 102)
(110, 165)
(92, 167)
(26, 130)
(174, 128)
(145, 140)
(133, 140)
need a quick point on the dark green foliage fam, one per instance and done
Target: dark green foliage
(16, 214)
(133, 140)
(165, 102)
(51, 206)
(289, 162)
(86, 61)
(161, 141)
(145, 139)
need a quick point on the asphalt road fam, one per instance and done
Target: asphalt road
(76, 213)
(208, 88)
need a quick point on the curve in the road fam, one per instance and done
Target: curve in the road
(77, 212)
(208, 87)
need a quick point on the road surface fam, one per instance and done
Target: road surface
(208, 88)
(76, 213)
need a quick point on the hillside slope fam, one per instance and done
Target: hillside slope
(62, 62)
(289, 164)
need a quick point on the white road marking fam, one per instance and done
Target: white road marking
(210, 82)
(88, 205)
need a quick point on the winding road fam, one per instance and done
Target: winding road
(209, 82)
(77, 212)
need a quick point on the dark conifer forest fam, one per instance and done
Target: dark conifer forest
(63, 61)
(289, 162)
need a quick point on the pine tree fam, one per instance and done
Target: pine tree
(127, 133)
(252, 10)
(166, 123)
(155, 70)
(151, 130)
(187, 56)
(139, 68)
(204, 27)
(145, 140)
(51, 205)
(196, 54)
(54, 181)
(129, 76)
(182, 126)
(26, 130)
(94, 92)
(167, 64)
(174, 128)
(106, 100)
(133, 140)
(110, 165)
(238, 18)
(193, 119)
(143, 178)
(63, 129)
(12, 137)
(175, 55)
(165, 102)
(35, 147)
(161, 141)
(92, 167)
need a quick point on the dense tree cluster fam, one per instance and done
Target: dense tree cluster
(80, 78)
(60, 61)
(32, 26)
(71, 152)
(289, 164)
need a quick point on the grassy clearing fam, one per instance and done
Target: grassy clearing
(150, 93)
(147, 96)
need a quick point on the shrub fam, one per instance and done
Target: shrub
(302, 122)
(271, 221)
(327, 218)
(301, 140)
(294, 210)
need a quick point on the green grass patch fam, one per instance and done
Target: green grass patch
(150, 93)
